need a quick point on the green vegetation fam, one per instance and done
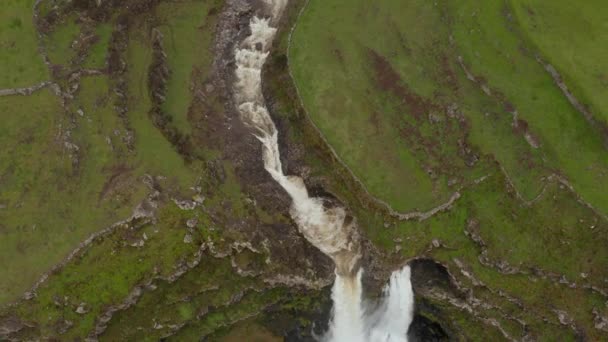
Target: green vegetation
(61, 42)
(98, 52)
(442, 88)
(367, 94)
(419, 99)
(347, 107)
(184, 26)
(156, 152)
(210, 285)
(22, 66)
(76, 165)
(108, 272)
(250, 331)
(496, 50)
(571, 36)
(70, 171)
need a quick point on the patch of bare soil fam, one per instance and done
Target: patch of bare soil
(445, 122)
(117, 172)
(389, 80)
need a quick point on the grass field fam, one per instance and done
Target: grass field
(419, 99)
(572, 37)
(98, 52)
(116, 267)
(187, 43)
(67, 175)
(496, 50)
(60, 42)
(22, 66)
(72, 169)
(364, 116)
(408, 94)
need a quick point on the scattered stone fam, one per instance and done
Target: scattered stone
(191, 223)
(185, 204)
(452, 181)
(60, 302)
(70, 146)
(532, 140)
(188, 238)
(146, 208)
(563, 317)
(600, 322)
(209, 88)
(64, 326)
(82, 309)
(198, 199)
(138, 244)
(434, 118)
(10, 325)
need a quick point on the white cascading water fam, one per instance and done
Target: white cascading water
(388, 322)
(328, 229)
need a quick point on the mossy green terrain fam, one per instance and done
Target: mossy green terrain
(22, 66)
(188, 52)
(128, 183)
(423, 99)
(71, 170)
(98, 194)
(572, 37)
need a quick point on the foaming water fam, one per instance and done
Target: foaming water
(388, 322)
(347, 323)
(394, 316)
(327, 227)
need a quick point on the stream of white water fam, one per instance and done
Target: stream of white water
(328, 229)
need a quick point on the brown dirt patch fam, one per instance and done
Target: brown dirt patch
(111, 182)
(389, 80)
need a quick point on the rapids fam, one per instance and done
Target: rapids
(326, 227)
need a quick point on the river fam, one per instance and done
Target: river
(325, 227)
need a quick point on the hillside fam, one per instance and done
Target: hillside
(466, 139)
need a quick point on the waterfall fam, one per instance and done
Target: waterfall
(328, 229)
(390, 322)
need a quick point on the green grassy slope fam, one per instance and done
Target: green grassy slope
(572, 36)
(456, 87)
(70, 171)
(381, 121)
(77, 162)
(22, 66)
(184, 27)
(419, 99)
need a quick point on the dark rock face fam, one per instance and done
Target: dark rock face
(288, 323)
(424, 329)
(427, 273)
